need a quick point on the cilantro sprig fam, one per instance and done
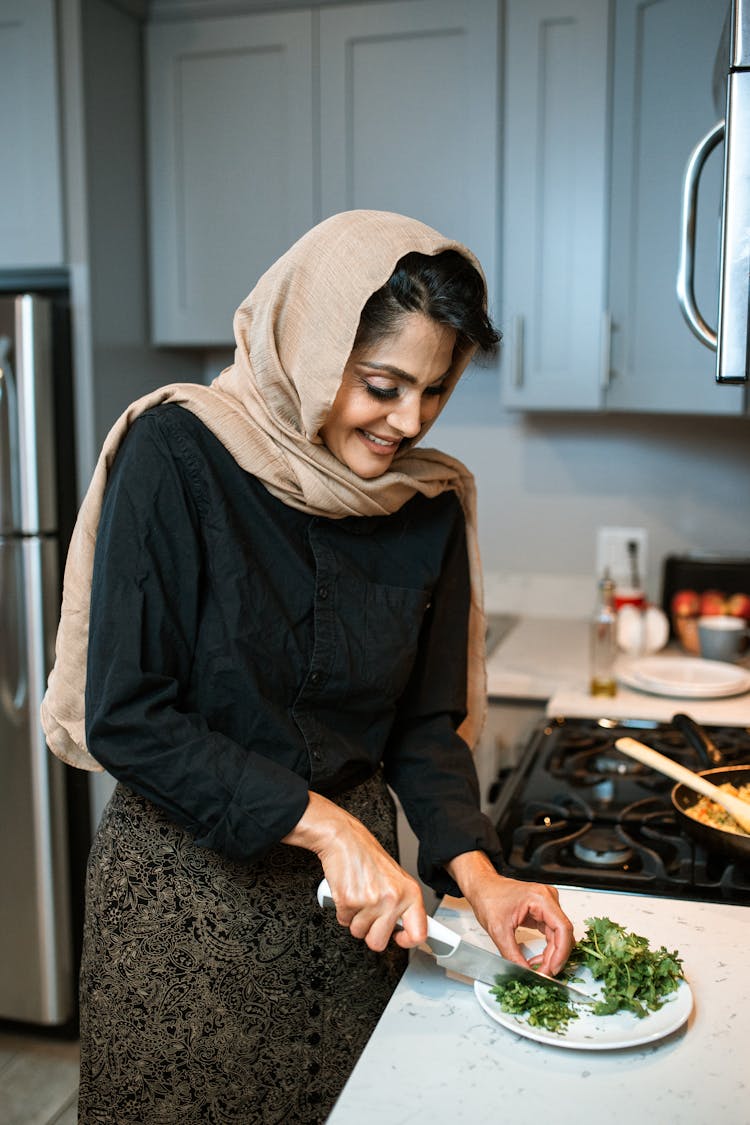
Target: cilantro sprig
(634, 978)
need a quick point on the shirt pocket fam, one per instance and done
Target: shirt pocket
(384, 624)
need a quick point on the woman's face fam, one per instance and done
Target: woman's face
(389, 390)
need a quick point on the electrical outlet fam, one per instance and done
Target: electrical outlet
(613, 554)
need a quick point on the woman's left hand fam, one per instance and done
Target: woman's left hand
(501, 905)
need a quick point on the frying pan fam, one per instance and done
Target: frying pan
(738, 847)
(714, 839)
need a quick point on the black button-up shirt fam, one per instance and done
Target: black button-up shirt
(242, 652)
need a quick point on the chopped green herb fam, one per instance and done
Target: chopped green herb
(544, 1005)
(634, 979)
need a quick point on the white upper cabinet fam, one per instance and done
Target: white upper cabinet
(230, 161)
(662, 106)
(554, 203)
(31, 214)
(409, 116)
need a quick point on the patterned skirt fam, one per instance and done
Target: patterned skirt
(218, 991)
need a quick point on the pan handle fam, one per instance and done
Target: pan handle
(696, 736)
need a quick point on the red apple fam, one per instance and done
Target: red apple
(739, 605)
(686, 603)
(713, 602)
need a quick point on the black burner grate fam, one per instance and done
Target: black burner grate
(577, 811)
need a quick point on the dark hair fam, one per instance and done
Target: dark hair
(445, 287)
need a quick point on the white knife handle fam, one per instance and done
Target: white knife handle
(325, 898)
(435, 929)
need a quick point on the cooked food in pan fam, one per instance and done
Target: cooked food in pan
(708, 812)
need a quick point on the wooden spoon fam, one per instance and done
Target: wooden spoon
(738, 809)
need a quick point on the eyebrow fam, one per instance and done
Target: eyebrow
(399, 374)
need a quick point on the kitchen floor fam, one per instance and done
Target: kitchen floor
(38, 1079)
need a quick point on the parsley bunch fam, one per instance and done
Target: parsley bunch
(634, 977)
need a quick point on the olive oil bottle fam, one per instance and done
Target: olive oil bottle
(604, 640)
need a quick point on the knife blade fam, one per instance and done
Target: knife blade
(459, 955)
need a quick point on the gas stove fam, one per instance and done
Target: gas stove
(576, 811)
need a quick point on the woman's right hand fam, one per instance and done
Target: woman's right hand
(370, 890)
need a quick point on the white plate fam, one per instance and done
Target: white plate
(597, 1033)
(685, 677)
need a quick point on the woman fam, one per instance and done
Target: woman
(285, 619)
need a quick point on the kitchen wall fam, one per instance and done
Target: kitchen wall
(546, 482)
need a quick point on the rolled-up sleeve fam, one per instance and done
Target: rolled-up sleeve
(144, 626)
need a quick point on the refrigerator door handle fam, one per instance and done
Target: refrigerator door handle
(10, 497)
(14, 649)
(13, 646)
(36, 421)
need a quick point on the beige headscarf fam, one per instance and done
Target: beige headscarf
(294, 334)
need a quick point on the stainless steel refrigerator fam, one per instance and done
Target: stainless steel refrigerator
(40, 866)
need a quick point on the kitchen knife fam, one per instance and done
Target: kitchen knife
(456, 953)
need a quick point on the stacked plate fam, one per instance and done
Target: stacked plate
(685, 677)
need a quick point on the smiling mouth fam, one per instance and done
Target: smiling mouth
(385, 444)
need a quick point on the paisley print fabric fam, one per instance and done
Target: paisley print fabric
(215, 991)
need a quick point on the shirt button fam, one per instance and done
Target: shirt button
(316, 755)
(323, 593)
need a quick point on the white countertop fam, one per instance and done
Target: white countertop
(546, 659)
(538, 656)
(437, 1057)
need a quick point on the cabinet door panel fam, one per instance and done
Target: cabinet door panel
(230, 161)
(554, 202)
(31, 223)
(662, 106)
(409, 115)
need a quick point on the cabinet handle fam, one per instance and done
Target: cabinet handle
(605, 353)
(686, 266)
(517, 329)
